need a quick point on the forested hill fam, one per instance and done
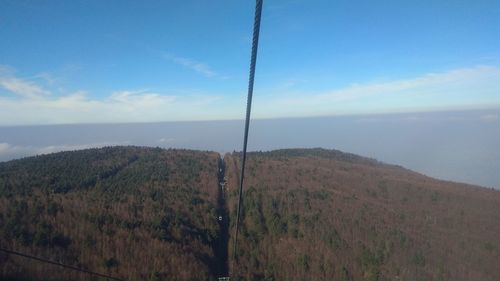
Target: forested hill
(308, 214)
(135, 213)
(315, 214)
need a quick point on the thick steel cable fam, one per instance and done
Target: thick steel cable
(59, 264)
(255, 44)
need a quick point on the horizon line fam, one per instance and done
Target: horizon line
(395, 112)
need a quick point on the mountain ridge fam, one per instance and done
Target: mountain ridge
(307, 213)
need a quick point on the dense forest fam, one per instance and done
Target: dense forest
(142, 213)
(134, 213)
(314, 214)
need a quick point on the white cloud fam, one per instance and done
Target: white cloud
(429, 83)
(8, 151)
(47, 78)
(192, 64)
(22, 87)
(4, 148)
(32, 104)
(68, 147)
(490, 117)
(474, 87)
(126, 106)
(467, 88)
(166, 140)
(141, 99)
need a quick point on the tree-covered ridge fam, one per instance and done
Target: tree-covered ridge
(283, 154)
(76, 170)
(150, 214)
(313, 217)
(138, 213)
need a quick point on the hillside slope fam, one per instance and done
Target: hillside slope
(314, 214)
(134, 213)
(308, 214)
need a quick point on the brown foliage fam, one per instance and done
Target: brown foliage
(324, 215)
(150, 214)
(152, 218)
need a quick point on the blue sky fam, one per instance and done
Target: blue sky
(141, 61)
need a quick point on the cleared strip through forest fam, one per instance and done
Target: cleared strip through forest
(221, 245)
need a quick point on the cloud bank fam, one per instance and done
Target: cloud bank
(23, 101)
(466, 88)
(10, 151)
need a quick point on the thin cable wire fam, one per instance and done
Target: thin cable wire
(255, 44)
(59, 264)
